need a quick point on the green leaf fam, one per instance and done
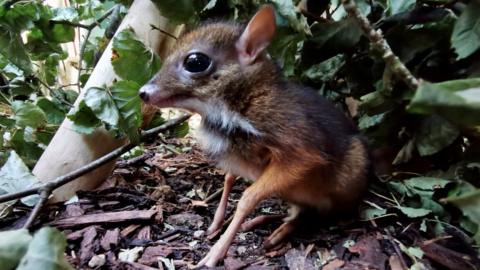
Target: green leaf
(13, 49)
(396, 6)
(426, 183)
(125, 96)
(457, 100)
(13, 247)
(466, 31)
(362, 5)
(46, 251)
(132, 60)
(297, 21)
(427, 203)
(339, 35)
(413, 212)
(60, 33)
(210, 5)
(64, 14)
(28, 114)
(366, 121)
(53, 113)
(370, 213)
(177, 11)
(29, 151)
(468, 204)
(179, 131)
(15, 176)
(434, 135)
(326, 70)
(84, 120)
(102, 105)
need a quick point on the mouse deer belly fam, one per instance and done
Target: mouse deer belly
(238, 156)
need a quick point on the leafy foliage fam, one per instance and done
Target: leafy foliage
(33, 99)
(45, 250)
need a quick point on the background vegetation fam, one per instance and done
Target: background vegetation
(425, 141)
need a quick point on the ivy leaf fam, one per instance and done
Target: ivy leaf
(29, 151)
(395, 6)
(28, 114)
(46, 251)
(297, 21)
(426, 183)
(326, 70)
(13, 247)
(434, 135)
(12, 47)
(367, 121)
(65, 14)
(466, 31)
(102, 105)
(83, 118)
(179, 131)
(414, 212)
(15, 176)
(177, 11)
(468, 204)
(457, 100)
(370, 213)
(339, 35)
(54, 114)
(131, 60)
(362, 5)
(125, 96)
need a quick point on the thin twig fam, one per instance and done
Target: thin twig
(64, 179)
(215, 195)
(44, 194)
(377, 41)
(87, 36)
(54, 94)
(397, 250)
(163, 31)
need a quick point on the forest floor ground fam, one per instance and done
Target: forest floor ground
(154, 209)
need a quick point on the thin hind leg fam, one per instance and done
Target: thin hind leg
(288, 226)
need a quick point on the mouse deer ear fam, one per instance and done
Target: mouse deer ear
(256, 37)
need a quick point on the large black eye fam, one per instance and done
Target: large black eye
(197, 62)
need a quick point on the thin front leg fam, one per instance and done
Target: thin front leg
(258, 191)
(219, 217)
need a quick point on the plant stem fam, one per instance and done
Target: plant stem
(379, 43)
(64, 179)
(87, 36)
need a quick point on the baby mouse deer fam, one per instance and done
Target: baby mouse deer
(293, 143)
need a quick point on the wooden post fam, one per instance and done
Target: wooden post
(70, 150)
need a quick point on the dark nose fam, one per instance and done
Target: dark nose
(143, 95)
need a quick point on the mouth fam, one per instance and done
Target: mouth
(168, 101)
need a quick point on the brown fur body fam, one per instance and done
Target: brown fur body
(301, 132)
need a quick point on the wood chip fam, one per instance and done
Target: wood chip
(233, 264)
(151, 254)
(370, 252)
(450, 259)
(296, 259)
(74, 210)
(395, 263)
(89, 245)
(128, 230)
(145, 233)
(334, 264)
(108, 217)
(110, 239)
